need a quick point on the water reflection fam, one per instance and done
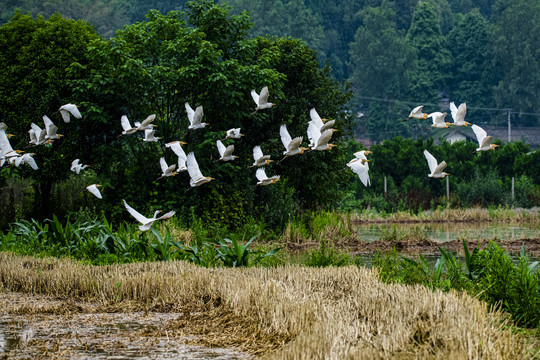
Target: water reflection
(444, 232)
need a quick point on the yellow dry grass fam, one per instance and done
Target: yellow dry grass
(283, 313)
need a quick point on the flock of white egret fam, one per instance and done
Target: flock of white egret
(319, 133)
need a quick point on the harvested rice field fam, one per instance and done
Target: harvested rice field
(54, 308)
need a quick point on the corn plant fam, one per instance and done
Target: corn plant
(235, 254)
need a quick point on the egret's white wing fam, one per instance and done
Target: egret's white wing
(362, 171)
(148, 120)
(255, 96)
(197, 117)
(486, 142)
(149, 135)
(177, 148)
(166, 215)
(163, 164)
(68, 109)
(95, 191)
(453, 110)
(32, 162)
(5, 146)
(416, 110)
(193, 167)
(263, 96)
(137, 215)
(461, 111)
(327, 125)
(229, 150)
(313, 133)
(48, 122)
(125, 123)
(440, 167)
(74, 164)
(325, 137)
(315, 118)
(480, 134)
(38, 133)
(295, 143)
(261, 174)
(257, 153)
(221, 148)
(432, 162)
(360, 154)
(190, 113)
(18, 160)
(285, 136)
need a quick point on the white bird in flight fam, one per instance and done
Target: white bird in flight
(225, 152)
(50, 129)
(147, 222)
(458, 114)
(38, 136)
(69, 109)
(128, 129)
(166, 169)
(261, 99)
(176, 146)
(292, 146)
(360, 168)
(260, 158)
(6, 151)
(195, 117)
(322, 124)
(438, 120)
(26, 158)
(435, 168)
(233, 134)
(149, 136)
(76, 166)
(417, 113)
(265, 180)
(94, 190)
(195, 174)
(319, 141)
(361, 155)
(146, 124)
(484, 141)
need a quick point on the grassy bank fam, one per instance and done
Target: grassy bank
(284, 312)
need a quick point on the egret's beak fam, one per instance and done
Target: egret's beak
(10, 136)
(183, 143)
(97, 185)
(368, 152)
(324, 120)
(242, 134)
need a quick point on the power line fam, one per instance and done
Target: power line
(431, 104)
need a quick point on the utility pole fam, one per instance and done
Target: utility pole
(509, 111)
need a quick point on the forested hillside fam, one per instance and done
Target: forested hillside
(396, 54)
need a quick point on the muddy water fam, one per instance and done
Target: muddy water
(445, 232)
(98, 336)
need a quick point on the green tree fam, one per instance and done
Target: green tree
(431, 70)
(34, 56)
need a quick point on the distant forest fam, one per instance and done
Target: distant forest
(395, 54)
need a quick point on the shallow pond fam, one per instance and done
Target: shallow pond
(444, 232)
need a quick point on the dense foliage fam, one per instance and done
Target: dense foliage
(396, 53)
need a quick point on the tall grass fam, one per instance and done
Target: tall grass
(285, 312)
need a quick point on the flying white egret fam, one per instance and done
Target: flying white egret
(176, 146)
(38, 136)
(438, 120)
(484, 141)
(233, 134)
(319, 141)
(260, 159)
(6, 151)
(458, 114)
(225, 152)
(322, 124)
(166, 169)
(265, 180)
(28, 159)
(69, 109)
(146, 124)
(94, 190)
(128, 129)
(76, 166)
(436, 169)
(361, 155)
(147, 222)
(417, 113)
(51, 129)
(195, 117)
(360, 168)
(149, 136)
(261, 99)
(195, 174)
(292, 146)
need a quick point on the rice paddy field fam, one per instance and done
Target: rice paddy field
(60, 308)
